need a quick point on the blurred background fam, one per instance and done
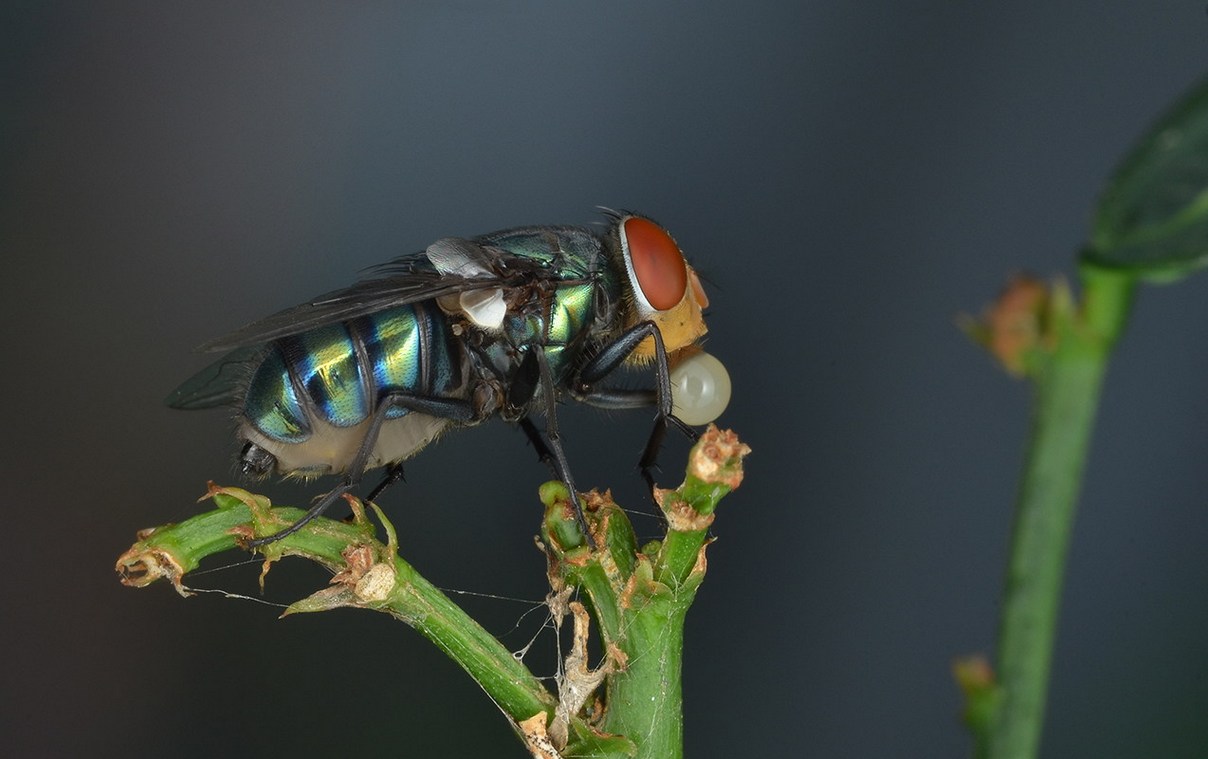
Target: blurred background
(848, 176)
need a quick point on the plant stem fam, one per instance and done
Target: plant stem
(1066, 394)
(646, 698)
(640, 597)
(1065, 406)
(500, 674)
(172, 550)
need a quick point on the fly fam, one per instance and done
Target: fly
(503, 324)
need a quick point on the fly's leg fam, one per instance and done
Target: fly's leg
(607, 361)
(544, 455)
(458, 411)
(394, 473)
(550, 454)
(522, 387)
(553, 453)
(631, 399)
(649, 461)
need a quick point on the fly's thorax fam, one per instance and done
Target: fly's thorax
(557, 319)
(572, 317)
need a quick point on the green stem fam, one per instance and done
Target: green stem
(500, 674)
(1065, 407)
(1067, 386)
(641, 597)
(173, 550)
(645, 700)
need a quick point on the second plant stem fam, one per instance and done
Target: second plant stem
(1066, 397)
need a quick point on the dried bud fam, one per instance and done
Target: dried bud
(1013, 327)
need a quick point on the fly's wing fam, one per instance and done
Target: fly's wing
(449, 266)
(219, 384)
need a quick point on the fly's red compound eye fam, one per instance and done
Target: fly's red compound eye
(658, 265)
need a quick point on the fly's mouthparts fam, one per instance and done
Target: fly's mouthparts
(254, 461)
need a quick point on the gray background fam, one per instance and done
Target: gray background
(850, 176)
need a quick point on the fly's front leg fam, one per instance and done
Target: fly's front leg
(444, 408)
(649, 461)
(607, 361)
(611, 356)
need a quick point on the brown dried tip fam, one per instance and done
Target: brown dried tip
(578, 682)
(536, 739)
(1013, 325)
(139, 567)
(680, 515)
(973, 674)
(717, 458)
(594, 500)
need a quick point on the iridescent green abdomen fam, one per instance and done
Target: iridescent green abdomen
(336, 374)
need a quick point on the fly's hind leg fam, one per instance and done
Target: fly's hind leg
(394, 473)
(444, 408)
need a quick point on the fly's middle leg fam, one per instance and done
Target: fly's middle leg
(558, 457)
(544, 454)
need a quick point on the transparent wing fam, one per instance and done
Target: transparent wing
(219, 384)
(460, 265)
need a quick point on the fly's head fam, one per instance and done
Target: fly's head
(663, 289)
(660, 286)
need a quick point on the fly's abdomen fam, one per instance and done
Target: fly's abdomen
(312, 377)
(325, 366)
(412, 350)
(273, 404)
(338, 374)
